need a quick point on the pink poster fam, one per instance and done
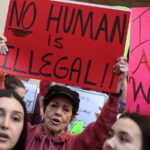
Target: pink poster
(138, 95)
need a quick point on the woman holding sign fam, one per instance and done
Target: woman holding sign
(60, 107)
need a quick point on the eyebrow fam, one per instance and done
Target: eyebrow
(14, 111)
(18, 112)
(122, 133)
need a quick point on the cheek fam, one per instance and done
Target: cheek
(19, 129)
(48, 114)
(68, 118)
(17, 132)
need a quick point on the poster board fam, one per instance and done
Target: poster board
(138, 94)
(90, 101)
(30, 96)
(65, 50)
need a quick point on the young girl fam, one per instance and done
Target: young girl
(130, 132)
(13, 124)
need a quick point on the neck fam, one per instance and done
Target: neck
(51, 132)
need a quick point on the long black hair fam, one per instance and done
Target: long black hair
(20, 145)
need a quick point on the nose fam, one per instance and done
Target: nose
(58, 111)
(109, 145)
(5, 123)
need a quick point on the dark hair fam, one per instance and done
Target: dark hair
(143, 122)
(62, 91)
(11, 82)
(20, 145)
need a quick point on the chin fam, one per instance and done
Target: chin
(56, 131)
(4, 146)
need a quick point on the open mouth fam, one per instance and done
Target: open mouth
(3, 137)
(55, 121)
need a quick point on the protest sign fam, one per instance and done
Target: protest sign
(72, 43)
(90, 103)
(30, 96)
(138, 95)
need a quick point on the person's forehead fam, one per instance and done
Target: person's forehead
(126, 125)
(11, 104)
(62, 100)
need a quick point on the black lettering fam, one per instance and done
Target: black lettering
(15, 12)
(6, 58)
(66, 70)
(49, 40)
(47, 63)
(138, 108)
(86, 81)
(20, 19)
(103, 27)
(120, 28)
(111, 81)
(76, 67)
(51, 18)
(140, 39)
(58, 43)
(104, 75)
(31, 64)
(143, 60)
(79, 18)
(139, 88)
(16, 60)
(66, 19)
(31, 5)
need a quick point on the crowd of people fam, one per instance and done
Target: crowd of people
(59, 106)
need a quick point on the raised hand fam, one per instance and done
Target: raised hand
(3, 47)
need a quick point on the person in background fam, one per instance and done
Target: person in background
(13, 83)
(13, 123)
(130, 132)
(2, 76)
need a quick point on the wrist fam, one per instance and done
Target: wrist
(118, 94)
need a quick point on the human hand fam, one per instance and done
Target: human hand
(3, 47)
(121, 67)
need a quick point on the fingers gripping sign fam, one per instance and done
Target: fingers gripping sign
(3, 47)
(121, 66)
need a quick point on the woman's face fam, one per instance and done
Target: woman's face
(124, 135)
(58, 115)
(11, 122)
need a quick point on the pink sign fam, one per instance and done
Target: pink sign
(138, 95)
